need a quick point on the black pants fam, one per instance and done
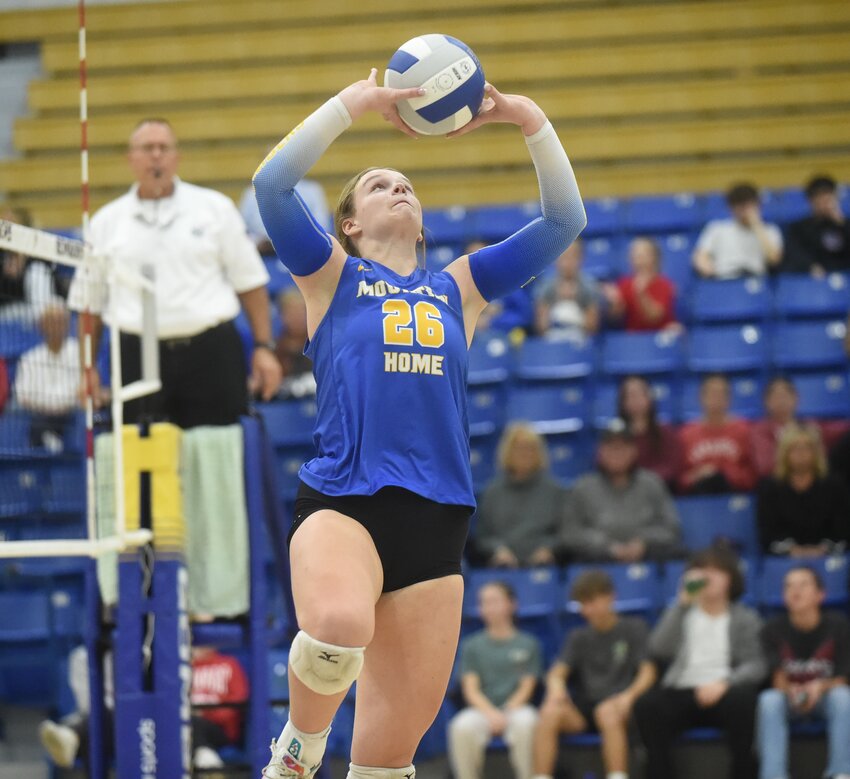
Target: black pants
(663, 713)
(203, 379)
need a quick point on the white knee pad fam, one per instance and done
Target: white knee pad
(325, 668)
(367, 772)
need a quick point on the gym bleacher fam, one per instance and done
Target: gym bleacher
(660, 104)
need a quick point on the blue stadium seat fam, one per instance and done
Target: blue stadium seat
(486, 409)
(735, 300)
(495, 223)
(17, 338)
(20, 490)
(289, 423)
(833, 570)
(449, 225)
(604, 258)
(26, 618)
(746, 398)
(551, 408)
(482, 458)
(279, 277)
(664, 213)
(604, 216)
(636, 586)
(711, 519)
(728, 348)
(784, 205)
(809, 345)
(289, 461)
(278, 675)
(803, 296)
(823, 395)
(66, 488)
(676, 265)
(440, 256)
(548, 359)
(641, 353)
(571, 455)
(490, 360)
(664, 390)
(538, 590)
(15, 434)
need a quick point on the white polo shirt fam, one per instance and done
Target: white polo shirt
(735, 248)
(199, 248)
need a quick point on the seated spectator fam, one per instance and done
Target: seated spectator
(298, 379)
(710, 645)
(716, 450)
(741, 246)
(512, 314)
(499, 669)
(780, 406)
(803, 511)
(644, 300)
(519, 514)
(568, 302)
(819, 243)
(606, 666)
(48, 379)
(657, 443)
(808, 654)
(26, 285)
(309, 191)
(621, 512)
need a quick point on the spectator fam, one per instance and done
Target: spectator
(309, 191)
(710, 644)
(803, 511)
(26, 285)
(780, 405)
(48, 378)
(205, 267)
(819, 243)
(643, 301)
(568, 302)
(519, 514)
(657, 443)
(716, 450)
(499, 668)
(606, 664)
(512, 314)
(621, 512)
(741, 246)
(298, 380)
(808, 653)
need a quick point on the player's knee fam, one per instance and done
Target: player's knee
(370, 772)
(549, 718)
(339, 622)
(606, 716)
(325, 668)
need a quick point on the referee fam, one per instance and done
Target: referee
(206, 267)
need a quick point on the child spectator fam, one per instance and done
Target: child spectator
(297, 368)
(593, 685)
(499, 666)
(568, 303)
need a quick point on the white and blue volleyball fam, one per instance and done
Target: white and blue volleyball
(451, 75)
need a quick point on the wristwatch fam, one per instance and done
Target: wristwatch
(264, 345)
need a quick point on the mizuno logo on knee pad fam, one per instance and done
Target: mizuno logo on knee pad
(325, 668)
(328, 656)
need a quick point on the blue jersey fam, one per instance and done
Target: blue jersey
(390, 361)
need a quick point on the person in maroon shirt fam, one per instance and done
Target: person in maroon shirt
(644, 300)
(658, 444)
(780, 405)
(716, 450)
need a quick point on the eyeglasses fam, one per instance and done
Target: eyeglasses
(150, 148)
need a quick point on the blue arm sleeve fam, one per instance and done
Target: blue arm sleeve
(300, 241)
(506, 266)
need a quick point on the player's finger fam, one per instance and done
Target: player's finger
(373, 77)
(397, 95)
(470, 126)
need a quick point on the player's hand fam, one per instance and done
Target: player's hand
(99, 395)
(504, 558)
(364, 96)
(497, 721)
(511, 109)
(266, 374)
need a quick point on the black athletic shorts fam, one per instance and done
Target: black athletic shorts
(417, 539)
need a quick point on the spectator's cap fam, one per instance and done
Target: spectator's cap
(616, 430)
(741, 193)
(819, 184)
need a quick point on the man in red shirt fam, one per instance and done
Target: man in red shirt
(717, 449)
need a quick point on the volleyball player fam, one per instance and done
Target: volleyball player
(382, 512)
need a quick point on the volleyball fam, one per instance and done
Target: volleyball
(450, 73)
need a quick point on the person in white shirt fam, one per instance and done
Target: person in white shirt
(47, 380)
(205, 266)
(711, 648)
(741, 246)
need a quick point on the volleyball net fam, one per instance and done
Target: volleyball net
(55, 404)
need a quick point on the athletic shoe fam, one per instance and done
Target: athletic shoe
(61, 743)
(284, 766)
(205, 757)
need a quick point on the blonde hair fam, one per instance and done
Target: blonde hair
(790, 436)
(515, 431)
(345, 209)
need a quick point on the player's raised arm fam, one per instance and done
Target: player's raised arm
(496, 270)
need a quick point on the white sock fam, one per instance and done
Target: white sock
(306, 748)
(617, 775)
(542, 776)
(371, 772)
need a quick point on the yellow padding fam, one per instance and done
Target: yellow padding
(158, 454)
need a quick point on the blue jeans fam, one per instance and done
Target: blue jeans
(774, 715)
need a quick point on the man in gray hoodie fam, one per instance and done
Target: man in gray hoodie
(709, 644)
